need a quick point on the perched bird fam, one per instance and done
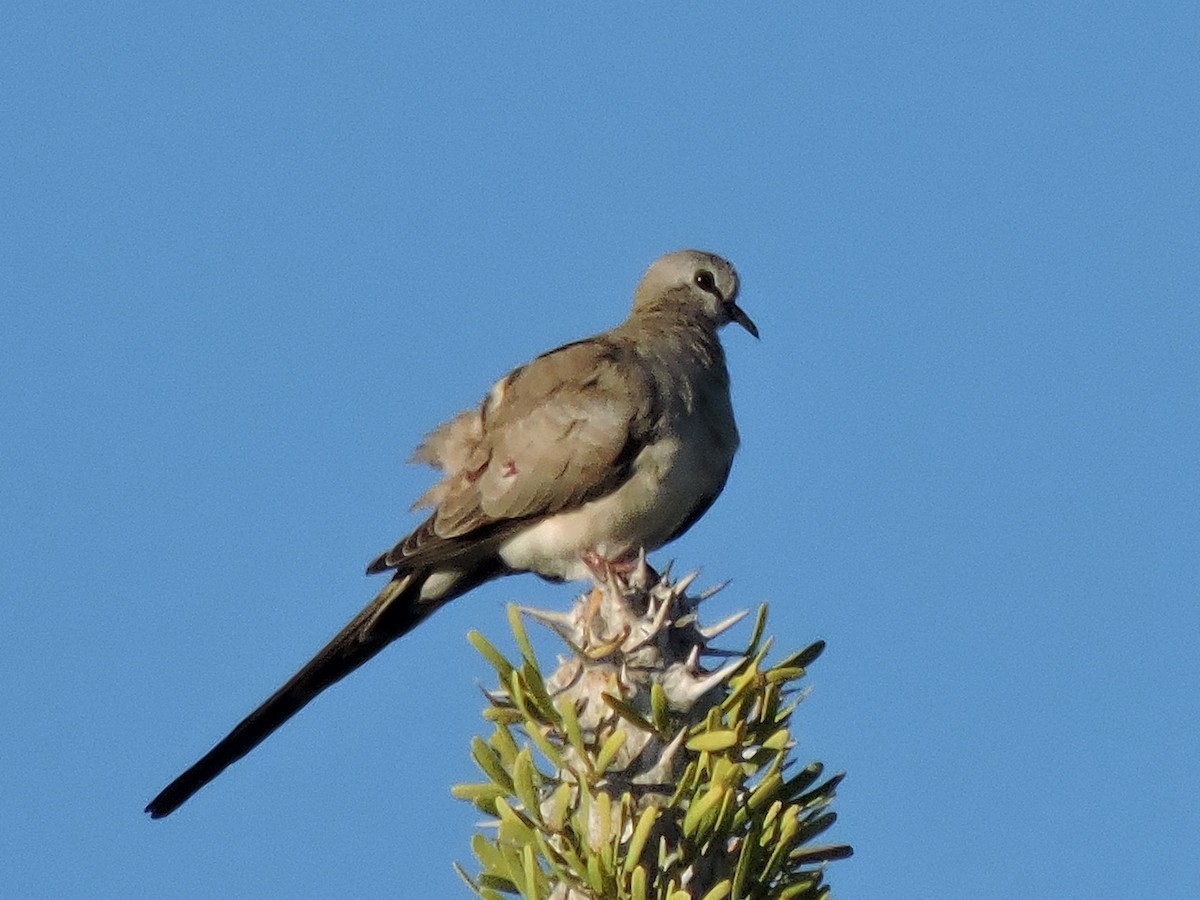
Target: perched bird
(591, 452)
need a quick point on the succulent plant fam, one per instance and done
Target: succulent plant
(635, 771)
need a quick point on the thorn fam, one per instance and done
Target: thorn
(657, 623)
(708, 682)
(680, 587)
(641, 576)
(724, 625)
(669, 751)
(562, 624)
(708, 592)
(754, 713)
(547, 617)
(687, 688)
(660, 617)
(496, 698)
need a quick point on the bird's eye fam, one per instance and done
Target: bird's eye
(706, 282)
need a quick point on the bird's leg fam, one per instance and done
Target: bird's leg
(598, 565)
(614, 572)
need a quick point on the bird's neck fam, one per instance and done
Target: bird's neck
(679, 350)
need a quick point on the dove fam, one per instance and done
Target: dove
(588, 455)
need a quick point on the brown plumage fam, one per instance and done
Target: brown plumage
(602, 447)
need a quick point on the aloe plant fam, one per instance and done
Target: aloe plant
(637, 769)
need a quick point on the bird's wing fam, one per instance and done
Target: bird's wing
(550, 436)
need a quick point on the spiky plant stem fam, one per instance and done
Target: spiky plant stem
(634, 771)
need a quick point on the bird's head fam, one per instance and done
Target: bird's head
(696, 281)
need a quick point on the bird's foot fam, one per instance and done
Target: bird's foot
(602, 567)
(619, 573)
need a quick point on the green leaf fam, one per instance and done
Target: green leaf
(570, 725)
(526, 781)
(802, 659)
(756, 633)
(482, 795)
(505, 746)
(821, 792)
(801, 889)
(569, 852)
(641, 833)
(770, 822)
(701, 815)
(489, 761)
(784, 714)
(814, 826)
(533, 875)
(766, 791)
(827, 853)
(687, 782)
(725, 812)
(547, 748)
(780, 740)
(629, 713)
(788, 826)
(742, 684)
(515, 826)
(595, 877)
(747, 854)
(609, 750)
(712, 741)
(491, 887)
(782, 674)
(603, 818)
(535, 690)
(503, 716)
(485, 649)
(517, 624)
(559, 807)
(559, 864)
(489, 857)
(712, 721)
(637, 884)
(516, 693)
(613, 831)
(462, 873)
(660, 711)
(802, 779)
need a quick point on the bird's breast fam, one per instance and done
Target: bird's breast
(674, 477)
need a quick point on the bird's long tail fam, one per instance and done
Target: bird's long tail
(393, 613)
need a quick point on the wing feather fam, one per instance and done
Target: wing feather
(551, 435)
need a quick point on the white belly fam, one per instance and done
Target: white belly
(669, 480)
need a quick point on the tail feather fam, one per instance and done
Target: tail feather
(393, 613)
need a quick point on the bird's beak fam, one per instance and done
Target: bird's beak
(736, 314)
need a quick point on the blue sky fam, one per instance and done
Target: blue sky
(250, 254)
